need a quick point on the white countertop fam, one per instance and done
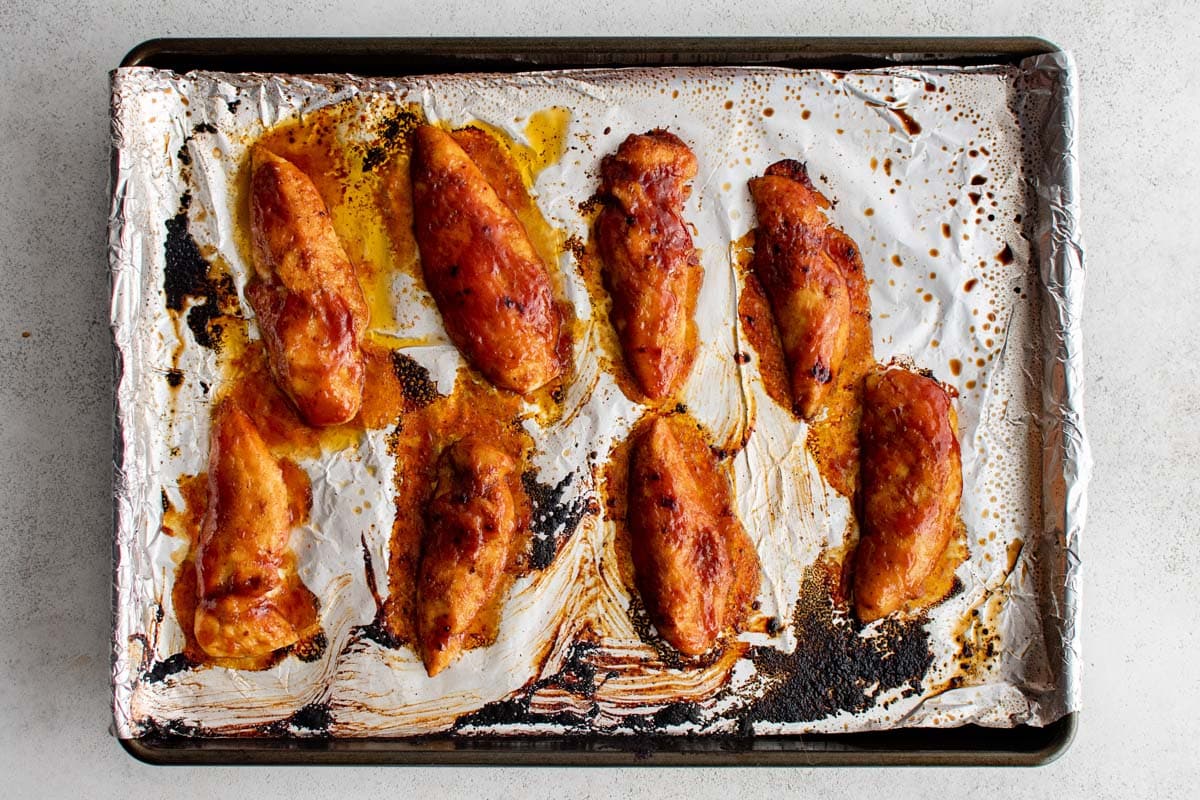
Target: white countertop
(1139, 144)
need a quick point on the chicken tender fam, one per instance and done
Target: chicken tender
(694, 565)
(650, 266)
(310, 307)
(802, 280)
(911, 471)
(248, 601)
(470, 525)
(490, 285)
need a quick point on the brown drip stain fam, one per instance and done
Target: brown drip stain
(977, 634)
(1005, 256)
(945, 230)
(971, 284)
(955, 367)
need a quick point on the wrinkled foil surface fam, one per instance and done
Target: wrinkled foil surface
(980, 282)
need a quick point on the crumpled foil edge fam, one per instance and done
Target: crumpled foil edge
(1066, 455)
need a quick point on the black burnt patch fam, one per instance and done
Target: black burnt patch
(668, 655)
(552, 519)
(188, 274)
(834, 668)
(159, 671)
(415, 382)
(311, 648)
(577, 676)
(187, 269)
(681, 712)
(184, 155)
(392, 136)
(168, 729)
(313, 719)
(376, 630)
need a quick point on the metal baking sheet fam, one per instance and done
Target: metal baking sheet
(1054, 259)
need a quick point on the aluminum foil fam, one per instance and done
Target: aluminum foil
(958, 184)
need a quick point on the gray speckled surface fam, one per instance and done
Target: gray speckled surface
(1140, 730)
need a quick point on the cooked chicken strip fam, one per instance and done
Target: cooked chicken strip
(470, 523)
(310, 306)
(803, 282)
(911, 472)
(694, 565)
(246, 603)
(651, 268)
(489, 283)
